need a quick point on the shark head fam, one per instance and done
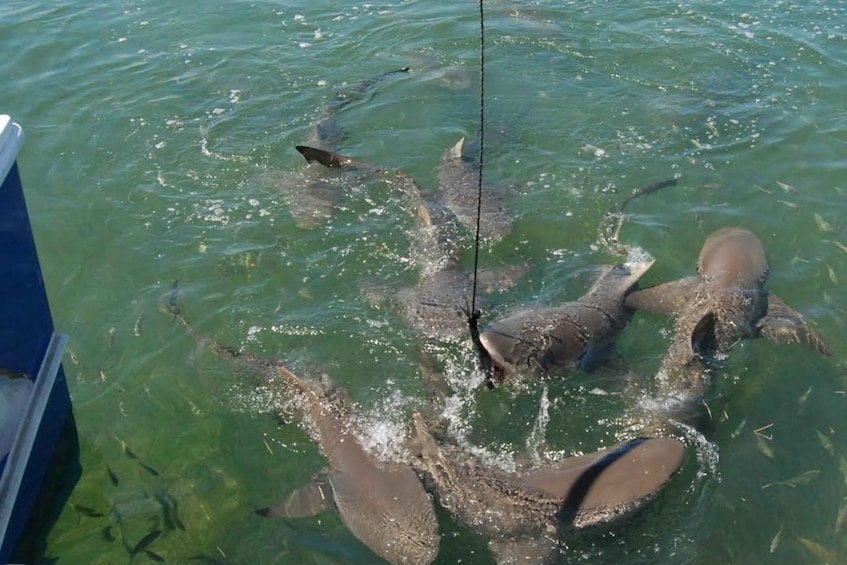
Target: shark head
(501, 344)
(734, 258)
(555, 339)
(498, 346)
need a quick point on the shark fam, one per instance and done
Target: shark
(434, 306)
(524, 514)
(383, 503)
(724, 303)
(554, 340)
(459, 191)
(313, 199)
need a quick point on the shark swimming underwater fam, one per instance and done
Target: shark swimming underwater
(458, 191)
(433, 306)
(383, 503)
(525, 514)
(724, 303)
(313, 199)
(554, 340)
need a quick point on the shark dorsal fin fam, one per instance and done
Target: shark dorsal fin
(326, 158)
(457, 150)
(308, 500)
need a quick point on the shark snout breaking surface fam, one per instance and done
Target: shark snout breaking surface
(553, 340)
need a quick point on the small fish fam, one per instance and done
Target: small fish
(825, 443)
(776, 538)
(801, 479)
(154, 556)
(127, 451)
(136, 329)
(804, 400)
(823, 225)
(786, 187)
(111, 338)
(87, 511)
(822, 554)
(122, 402)
(840, 246)
(149, 469)
(737, 431)
(145, 541)
(842, 516)
(832, 276)
(169, 512)
(766, 449)
(113, 478)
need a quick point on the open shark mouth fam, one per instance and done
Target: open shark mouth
(496, 344)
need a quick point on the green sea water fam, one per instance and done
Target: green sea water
(160, 147)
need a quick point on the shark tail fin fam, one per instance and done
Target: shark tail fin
(669, 298)
(308, 500)
(784, 324)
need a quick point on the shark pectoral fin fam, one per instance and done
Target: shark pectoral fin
(784, 324)
(308, 500)
(669, 298)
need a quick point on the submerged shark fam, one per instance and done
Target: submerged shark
(382, 503)
(724, 303)
(434, 305)
(458, 191)
(525, 514)
(313, 199)
(554, 340)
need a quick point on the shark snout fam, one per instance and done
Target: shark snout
(498, 346)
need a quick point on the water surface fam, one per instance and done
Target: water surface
(159, 148)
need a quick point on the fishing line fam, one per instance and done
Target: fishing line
(472, 313)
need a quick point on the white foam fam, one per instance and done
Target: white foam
(539, 428)
(383, 429)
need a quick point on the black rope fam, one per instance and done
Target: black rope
(473, 314)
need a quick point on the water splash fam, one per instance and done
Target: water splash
(537, 436)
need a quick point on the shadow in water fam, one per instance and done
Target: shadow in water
(63, 473)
